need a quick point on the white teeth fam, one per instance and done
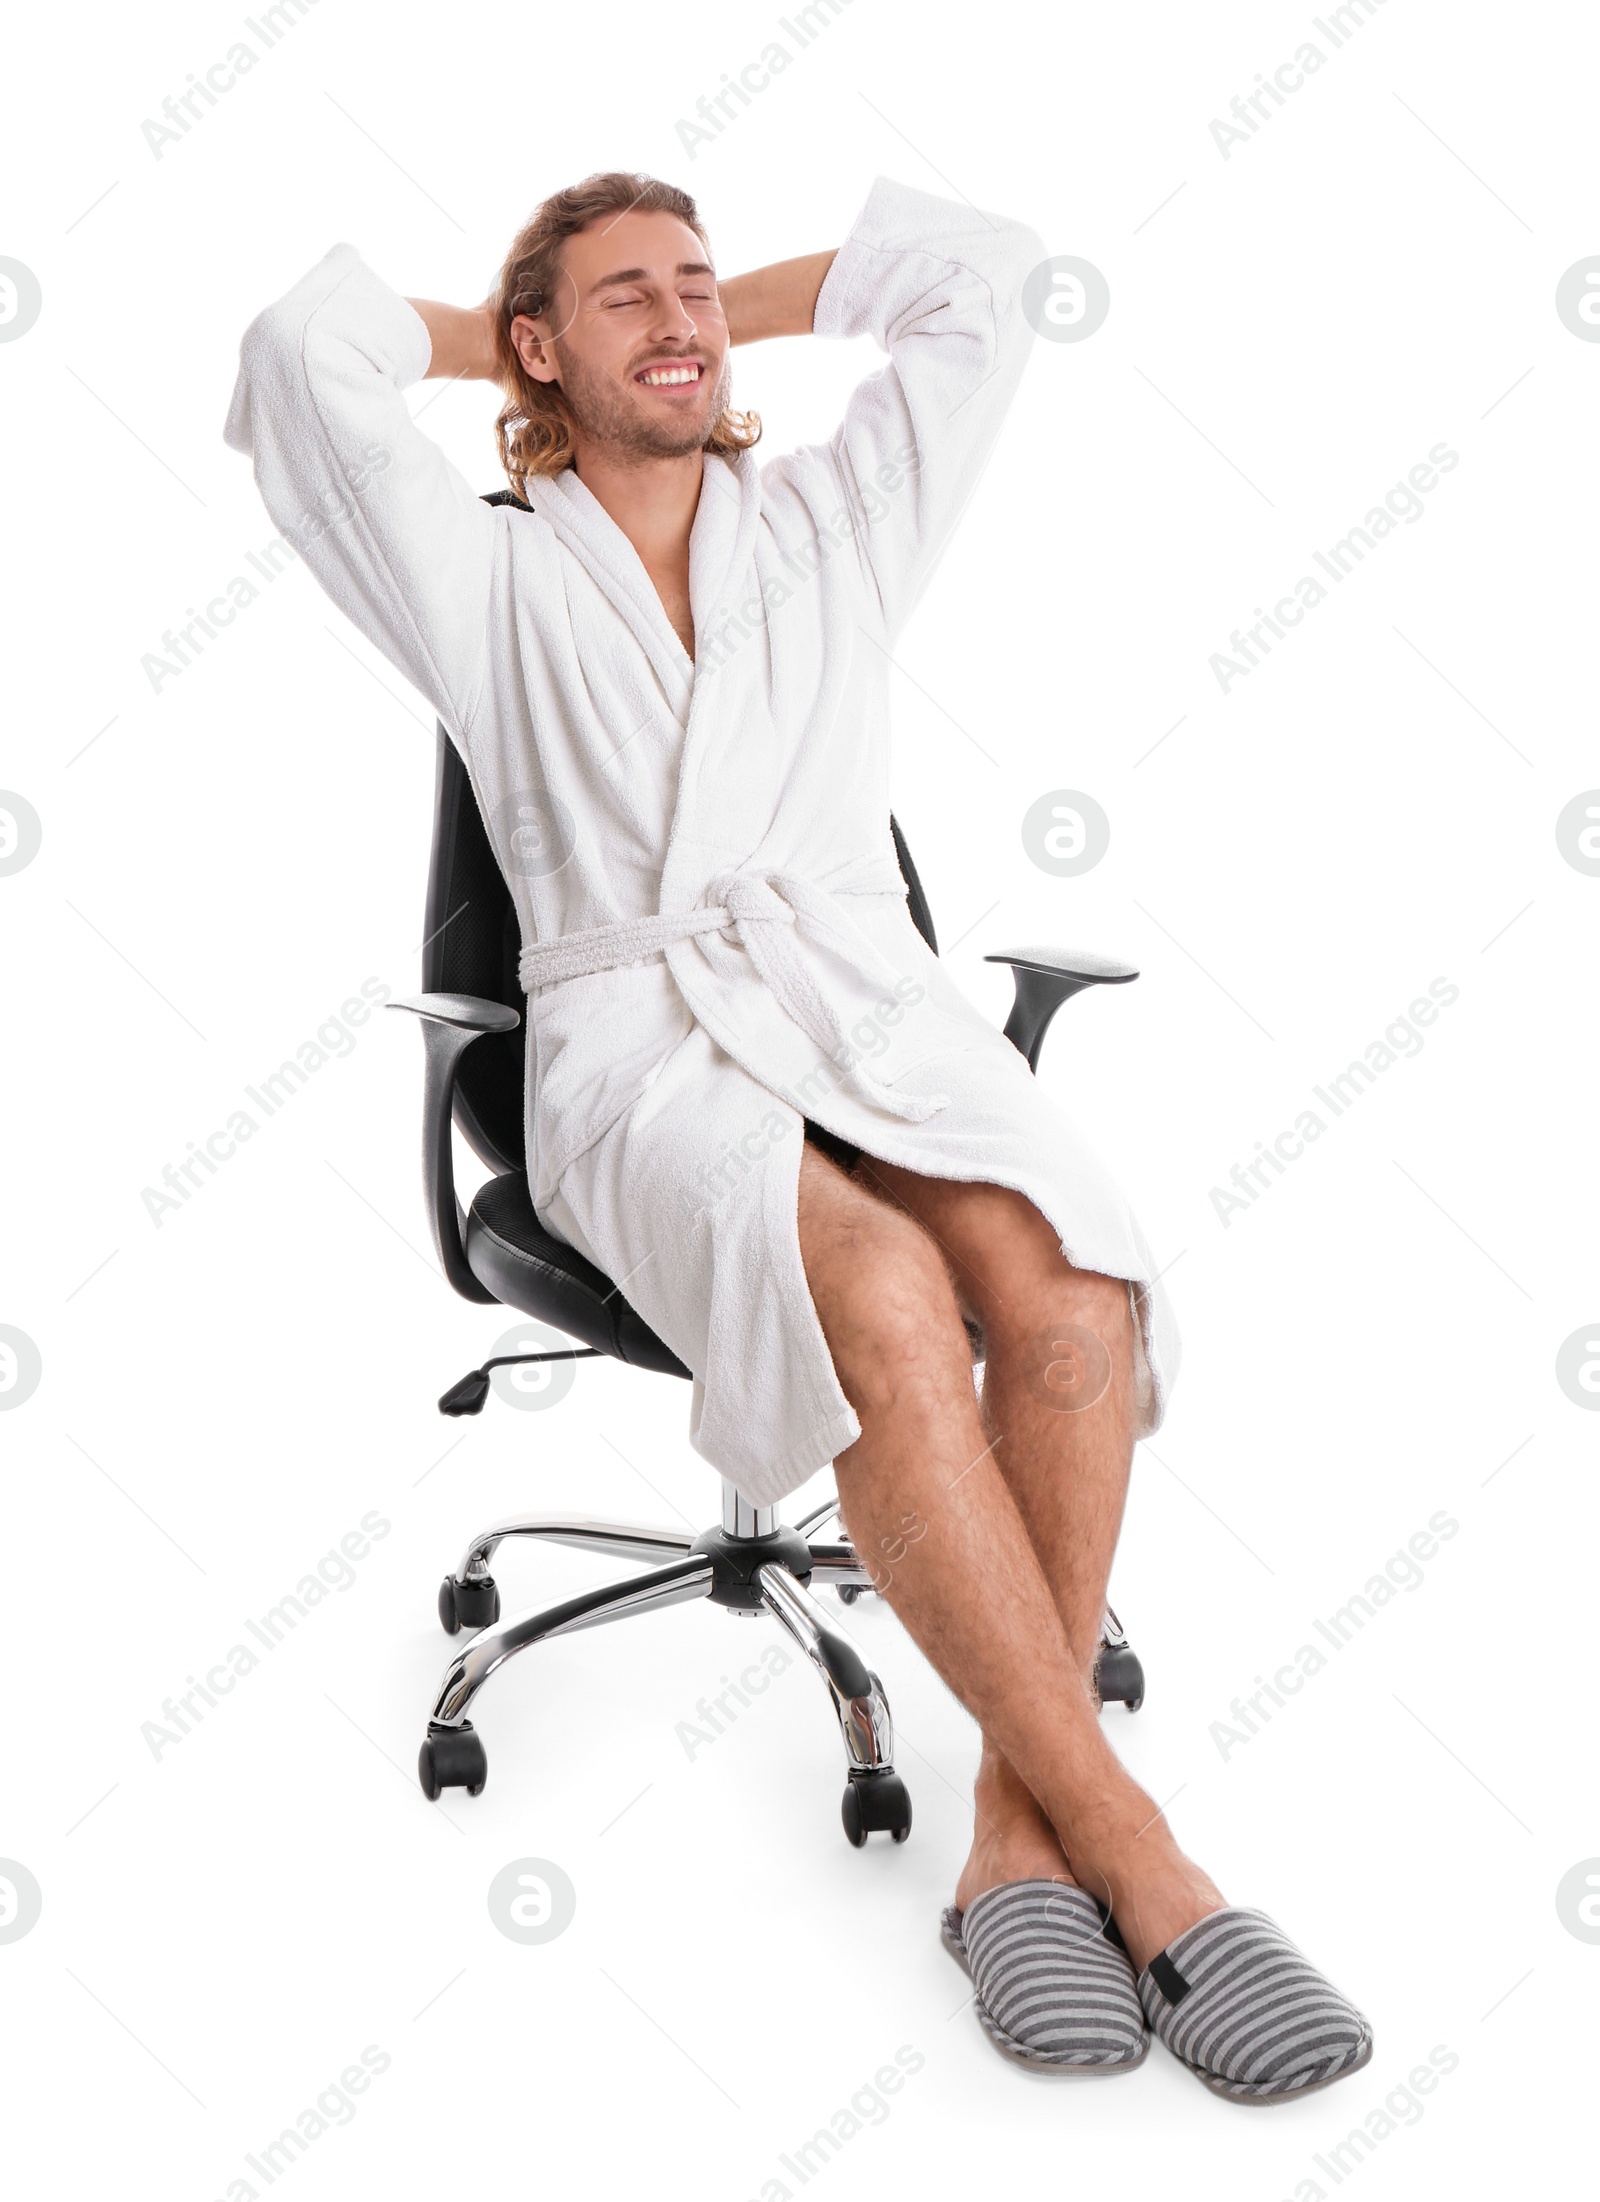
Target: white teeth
(657, 376)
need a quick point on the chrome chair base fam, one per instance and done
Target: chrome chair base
(752, 1564)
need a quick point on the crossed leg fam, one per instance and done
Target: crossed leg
(990, 1530)
(1057, 1408)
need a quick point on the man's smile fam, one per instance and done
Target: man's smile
(670, 374)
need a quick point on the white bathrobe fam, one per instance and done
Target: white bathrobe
(717, 943)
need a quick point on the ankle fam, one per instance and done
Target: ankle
(1019, 1848)
(1002, 1799)
(1109, 1815)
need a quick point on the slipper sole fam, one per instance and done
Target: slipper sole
(1238, 2091)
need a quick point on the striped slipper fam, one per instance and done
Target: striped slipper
(1235, 2001)
(1052, 1990)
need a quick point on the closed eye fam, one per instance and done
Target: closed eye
(627, 302)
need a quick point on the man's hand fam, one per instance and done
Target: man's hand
(463, 340)
(780, 300)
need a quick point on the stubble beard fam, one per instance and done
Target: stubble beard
(605, 417)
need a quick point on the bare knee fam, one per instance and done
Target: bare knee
(1086, 1296)
(1025, 1281)
(1009, 1268)
(887, 1308)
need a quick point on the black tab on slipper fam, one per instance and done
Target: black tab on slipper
(1168, 1978)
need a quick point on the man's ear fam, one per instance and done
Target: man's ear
(532, 347)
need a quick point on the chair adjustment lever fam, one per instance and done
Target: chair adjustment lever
(468, 1396)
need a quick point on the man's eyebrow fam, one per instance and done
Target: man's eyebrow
(641, 275)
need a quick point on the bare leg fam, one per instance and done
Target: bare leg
(920, 1491)
(1066, 1411)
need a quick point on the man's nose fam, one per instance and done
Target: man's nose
(674, 324)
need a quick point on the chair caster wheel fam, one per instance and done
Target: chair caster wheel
(452, 1758)
(875, 1803)
(474, 1605)
(850, 1592)
(1120, 1676)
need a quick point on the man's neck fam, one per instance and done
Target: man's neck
(653, 501)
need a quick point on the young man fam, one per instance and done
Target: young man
(669, 683)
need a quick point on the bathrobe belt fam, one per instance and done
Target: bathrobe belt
(765, 911)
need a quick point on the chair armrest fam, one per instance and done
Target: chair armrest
(450, 1024)
(1047, 977)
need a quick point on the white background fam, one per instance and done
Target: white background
(225, 862)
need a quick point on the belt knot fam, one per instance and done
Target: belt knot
(750, 896)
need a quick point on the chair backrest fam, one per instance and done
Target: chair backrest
(471, 943)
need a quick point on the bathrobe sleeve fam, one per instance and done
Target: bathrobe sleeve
(392, 531)
(938, 286)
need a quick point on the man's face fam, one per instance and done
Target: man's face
(635, 337)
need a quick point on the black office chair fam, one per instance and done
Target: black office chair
(499, 1252)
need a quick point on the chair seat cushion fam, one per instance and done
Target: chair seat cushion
(526, 1266)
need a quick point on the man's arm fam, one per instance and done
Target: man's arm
(938, 288)
(462, 338)
(390, 528)
(780, 300)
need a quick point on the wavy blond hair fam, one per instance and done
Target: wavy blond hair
(535, 427)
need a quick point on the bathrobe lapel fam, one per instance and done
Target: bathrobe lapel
(722, 546)
(588, 531)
